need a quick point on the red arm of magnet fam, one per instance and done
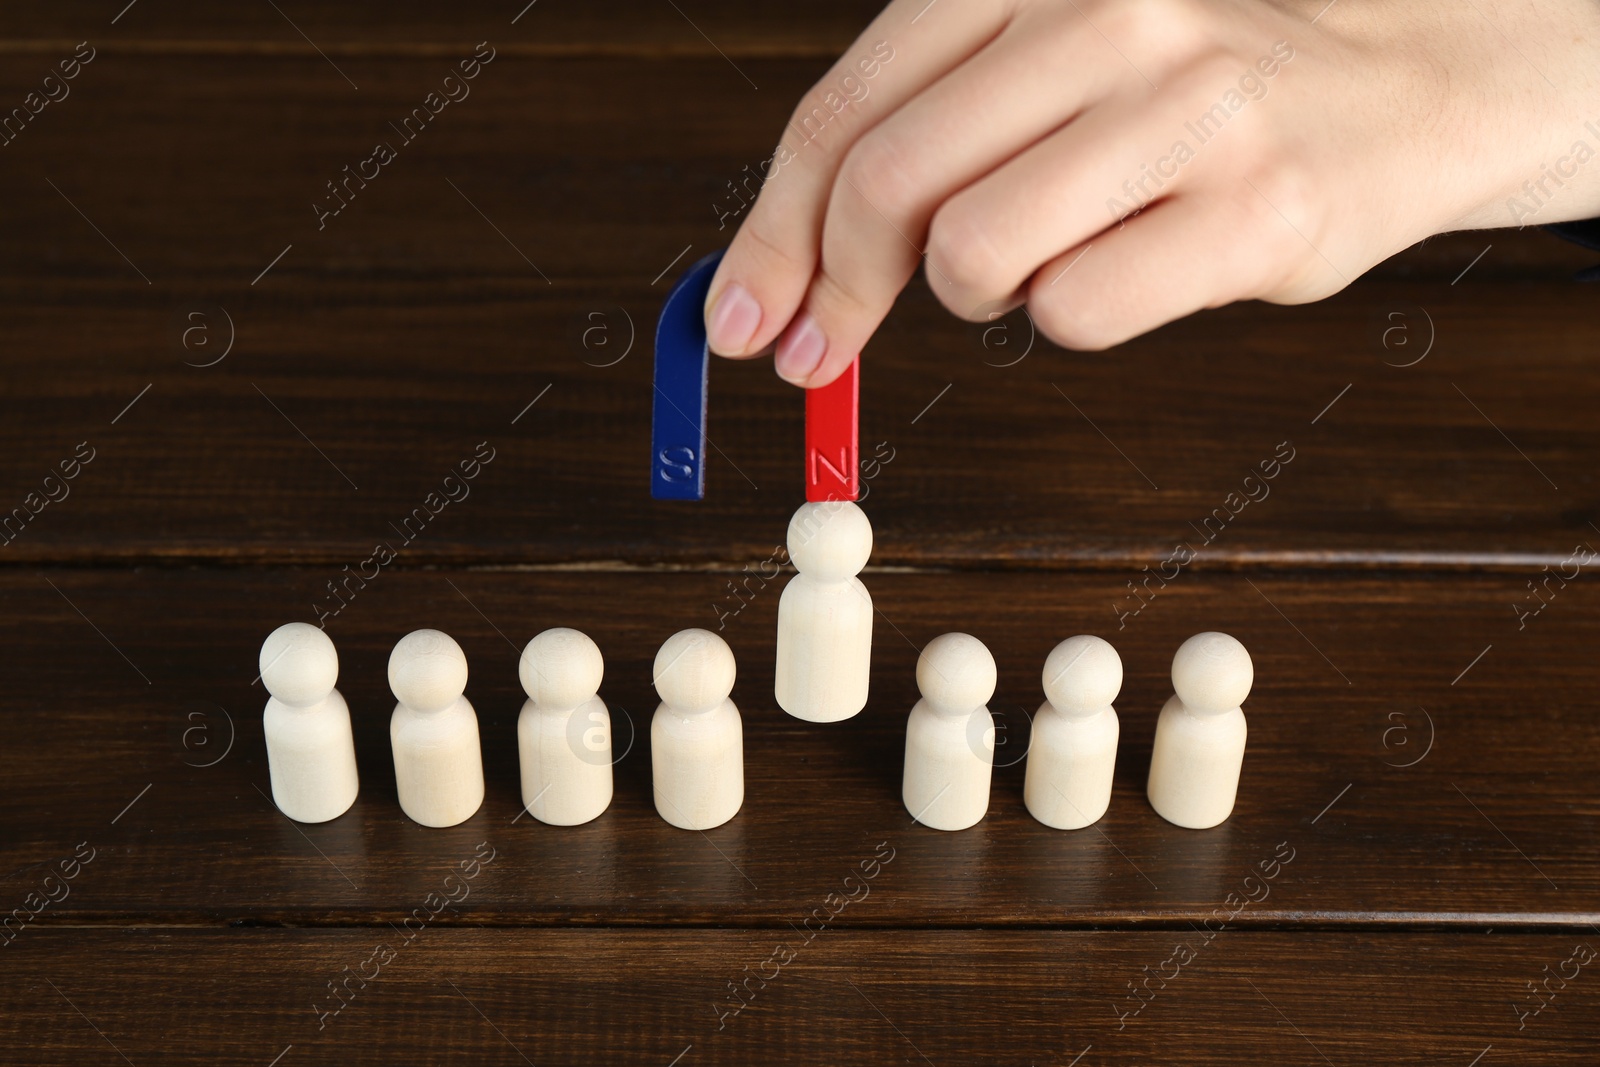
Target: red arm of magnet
(832, 430)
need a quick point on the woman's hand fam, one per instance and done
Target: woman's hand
(1117, 164)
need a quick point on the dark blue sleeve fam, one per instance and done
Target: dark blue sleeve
(1587, 234)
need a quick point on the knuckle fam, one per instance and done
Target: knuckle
(832, 295)
(1149, 22)
(1286, 212)
(766, 246)
(961, 253)
(812, 110)
(1215, 98)
(1081, 325)
(879, 170)
(1214, 70)
(1289, 198)
(819, 110)
(956, 299)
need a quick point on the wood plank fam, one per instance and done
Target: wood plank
(206, 167)
(113, 711)
(604, 175)
(408, 27)
(1480, 455)
(663, 997)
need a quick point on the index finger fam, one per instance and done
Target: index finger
(770, 264)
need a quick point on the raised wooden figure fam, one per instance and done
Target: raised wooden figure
(824, 649)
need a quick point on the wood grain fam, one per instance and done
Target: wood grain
(1493, 824)
(410, 27)
(590, 168)
(1414, 845)
(658, 997)
(415, 323)
(332, 420)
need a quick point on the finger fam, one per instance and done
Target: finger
(1119, 156)
(764, 274)
(900, 171)
(1192, 251)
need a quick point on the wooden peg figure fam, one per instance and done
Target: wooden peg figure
(311, 753)
(696, 736)
(564, 731)
(824, 652)
(1073, 751)
(438, 764)
(1199, 746)
(950, 735)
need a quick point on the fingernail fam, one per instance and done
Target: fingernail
(800, 351)
(734, 319)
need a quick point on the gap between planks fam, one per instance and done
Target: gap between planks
(225, 48)
(1287, 564)
(1512, 924)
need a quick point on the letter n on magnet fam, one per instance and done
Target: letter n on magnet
(832, 432)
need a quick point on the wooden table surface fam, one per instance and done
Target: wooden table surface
(249, 402)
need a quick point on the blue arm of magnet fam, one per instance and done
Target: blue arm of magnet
(678, 418)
